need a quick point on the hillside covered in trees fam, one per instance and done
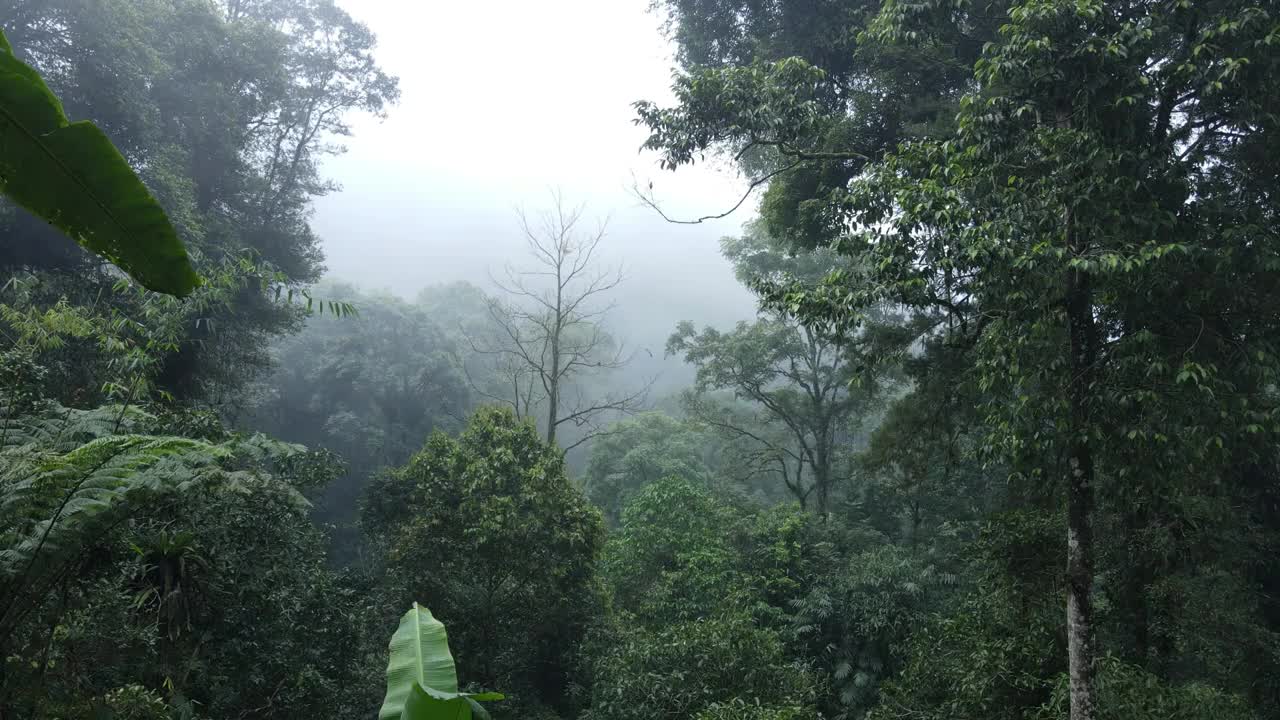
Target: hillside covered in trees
(997, 438)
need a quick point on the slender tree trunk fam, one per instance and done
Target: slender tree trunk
(1139, 577)
(824, 495)
(1080, 634)
(822, 483)
(553, 402)
(822, 454)
(916, 520)
(553, 386)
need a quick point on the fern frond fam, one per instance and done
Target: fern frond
(53, 504)
(67, 476)
(52, 426)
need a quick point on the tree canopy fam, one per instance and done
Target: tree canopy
(996, 436)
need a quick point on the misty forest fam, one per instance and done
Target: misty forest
(924, 365)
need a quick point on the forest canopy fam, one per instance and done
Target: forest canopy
(996, 437)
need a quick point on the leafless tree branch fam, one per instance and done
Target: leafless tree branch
(551, 324)
(647, 198)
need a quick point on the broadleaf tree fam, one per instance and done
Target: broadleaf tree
(1096, 227)
(809, 383)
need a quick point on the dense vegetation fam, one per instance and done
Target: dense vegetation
(1001, 442)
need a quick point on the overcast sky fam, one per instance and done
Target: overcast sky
(500, 102)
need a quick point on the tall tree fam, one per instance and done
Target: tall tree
(1098, 228)
(487, 530)
(800, 383)
(551, 326)
(225, 109)
(1081, 185)
(808, 381)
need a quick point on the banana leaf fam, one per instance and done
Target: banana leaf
(70, 175)
(422, 681)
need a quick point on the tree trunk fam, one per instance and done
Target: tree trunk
(916, 521)
(553, 384)
(1133, 590)
(553, 401)
(1080, 635)
(822, 483)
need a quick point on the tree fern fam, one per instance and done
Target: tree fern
(50, 426)
(66, 477)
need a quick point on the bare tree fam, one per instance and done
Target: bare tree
(550, 326)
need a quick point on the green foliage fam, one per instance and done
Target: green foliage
(856, 619)
(134, 702)
(1082, 256)
(371, 388)
(224, 110)
(165, 561)
(803, 96)
(783, 552)
(114, 341)
(71, 175)
(739, 709)
(686, 564)
(671, 559)
(171, 569)
(422, 683)
(682, 668)
(798, 383)
(66, 478)
(266, 578)
(921, 479)
(488, 530)
(996, 240)
(639, 451)
(807, 384)
(997, 648)
(1126, 691)
(786, 88)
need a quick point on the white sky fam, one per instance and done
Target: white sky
(501, 101)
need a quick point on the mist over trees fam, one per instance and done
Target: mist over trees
(550, 326)
(997, 440)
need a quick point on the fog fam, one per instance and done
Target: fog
(501, 103)
(1011, 394)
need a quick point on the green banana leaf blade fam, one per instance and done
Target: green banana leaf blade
(70, 175)
(422, 681)
(424, 705)
(421, 705)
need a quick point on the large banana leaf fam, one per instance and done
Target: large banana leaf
(422, 682)
(70, 175)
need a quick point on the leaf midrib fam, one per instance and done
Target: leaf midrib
(417, 645)
(58, 161)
